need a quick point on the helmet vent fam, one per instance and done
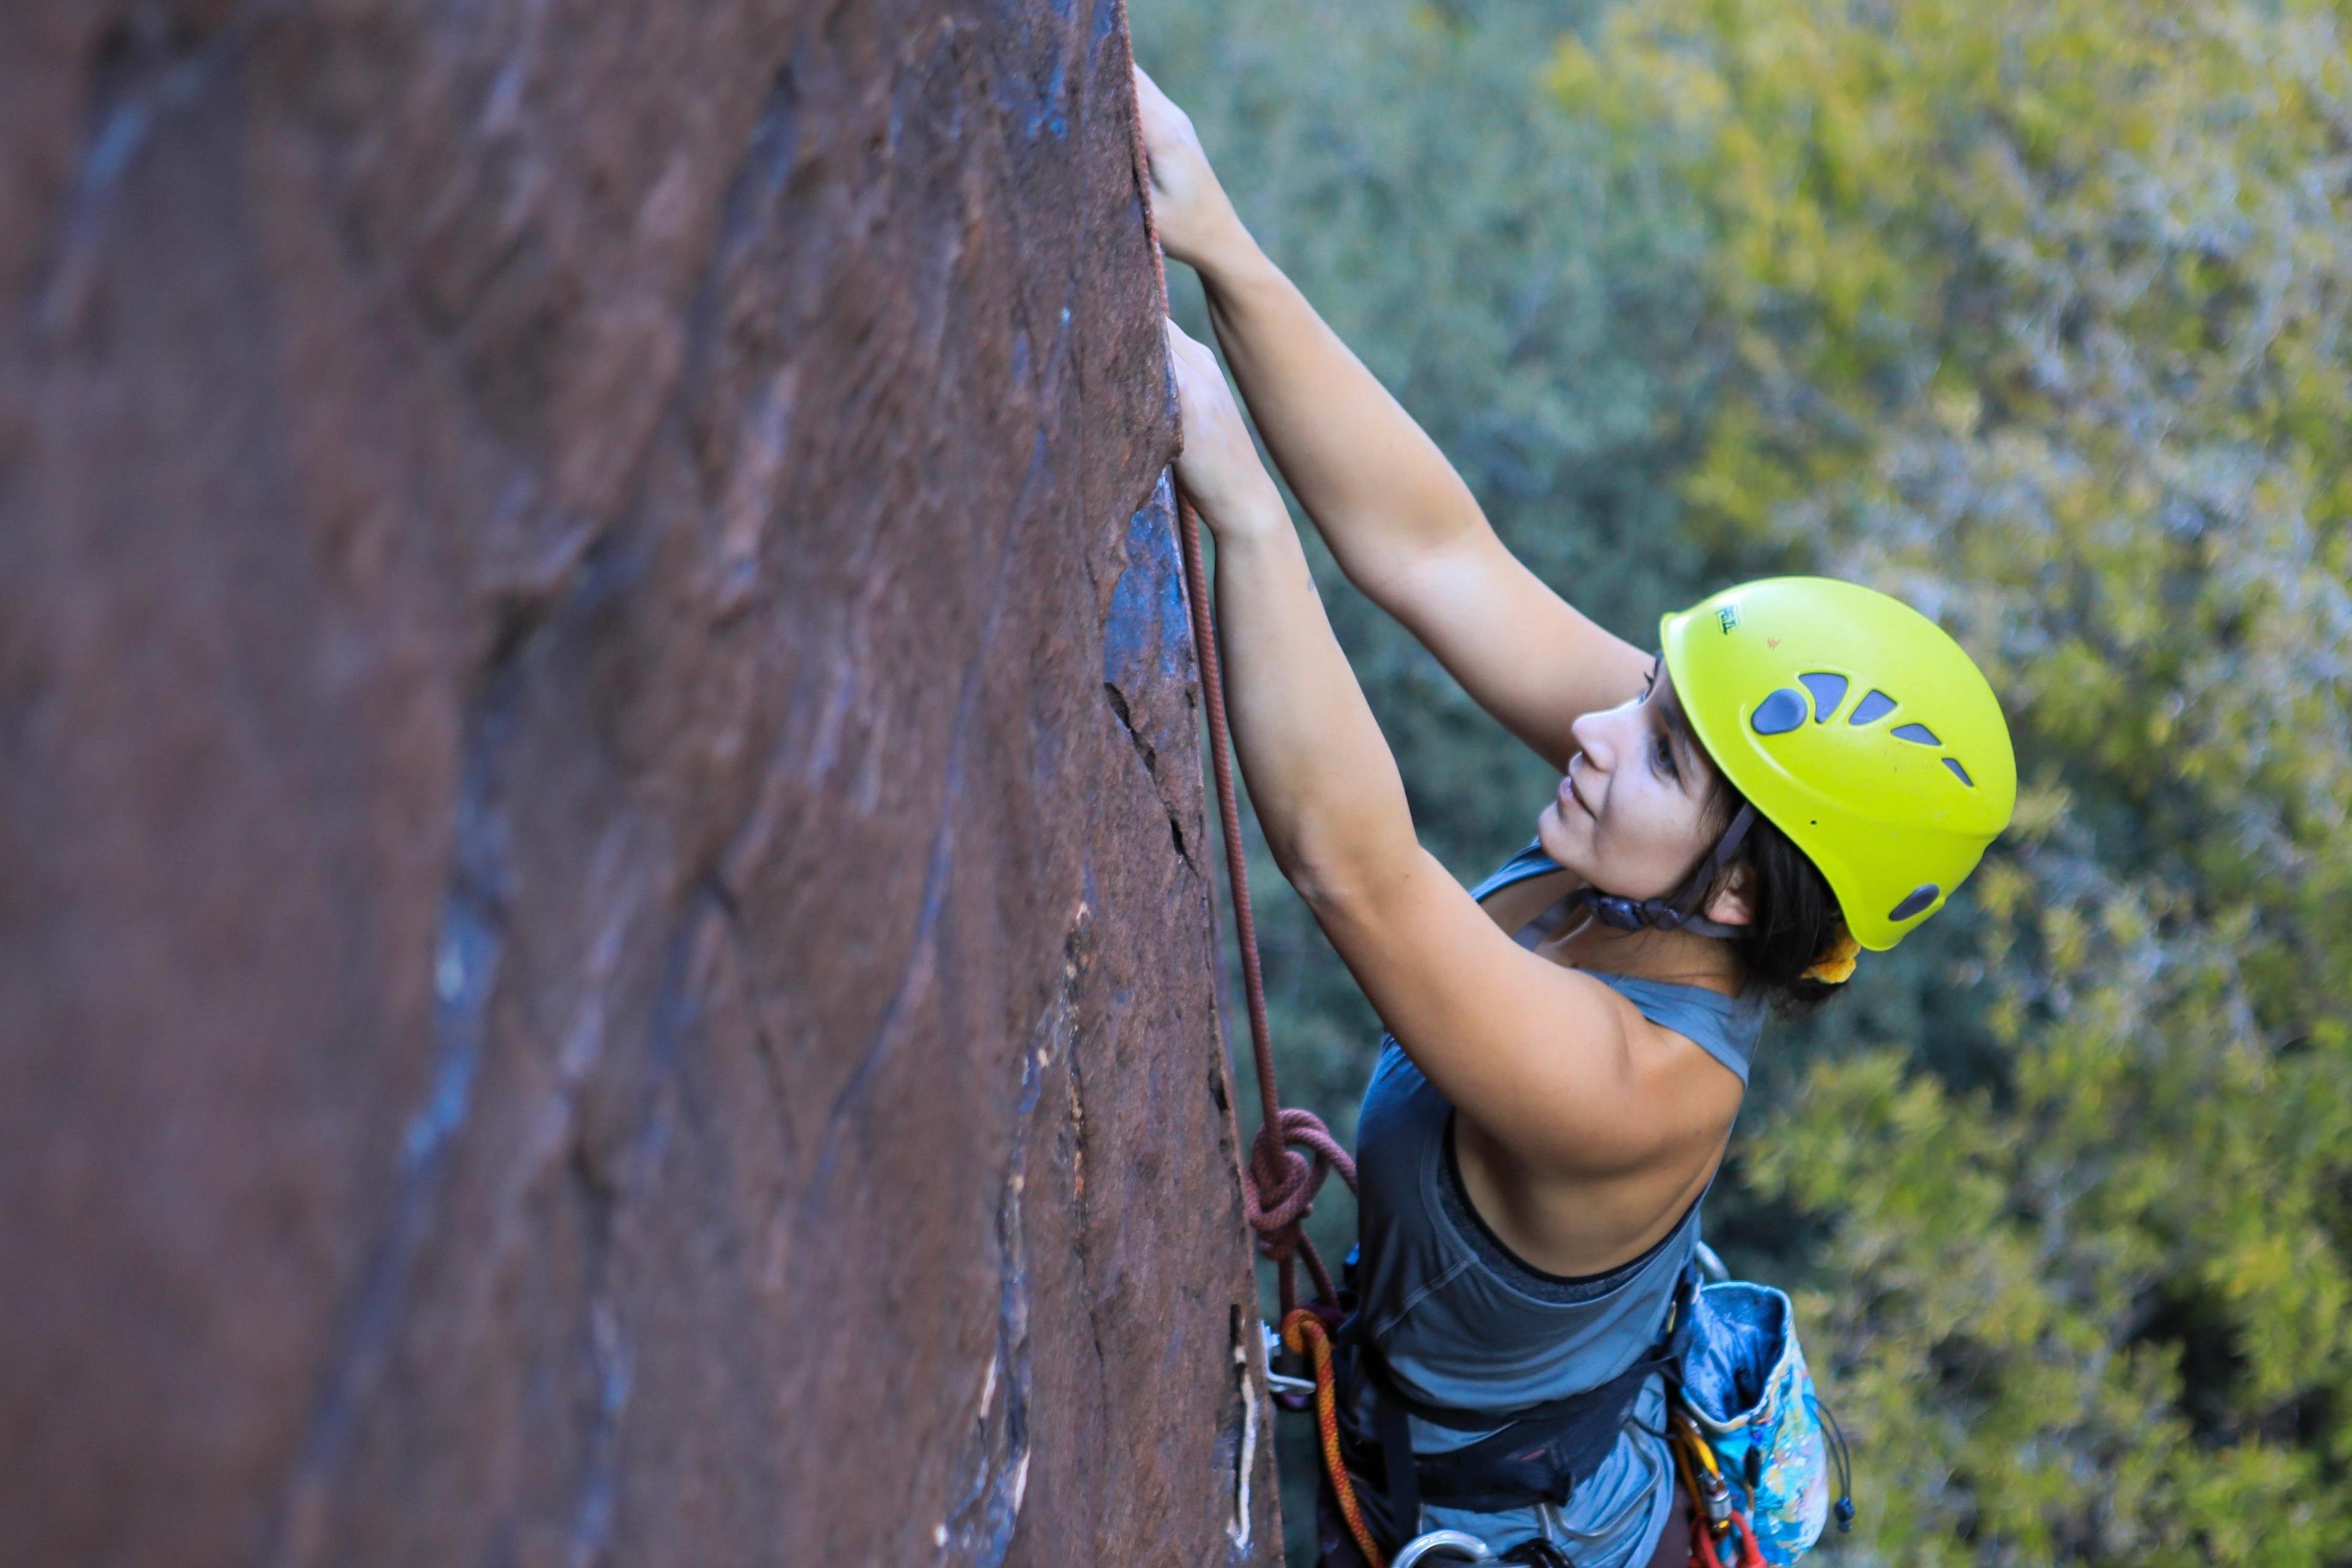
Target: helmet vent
(1872, 708)
(1958, 772)
(1918, 733)
(1827, 690)
(1917, 899)
(1778, 713)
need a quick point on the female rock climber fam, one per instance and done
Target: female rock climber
(1801, 768)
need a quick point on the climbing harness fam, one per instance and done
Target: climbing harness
(1522, 1457)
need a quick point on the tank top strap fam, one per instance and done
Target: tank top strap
(1528, 862)
(1725, 1027)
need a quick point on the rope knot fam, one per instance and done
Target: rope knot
(1279, 1185)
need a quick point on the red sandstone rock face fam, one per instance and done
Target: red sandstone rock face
(603, 945)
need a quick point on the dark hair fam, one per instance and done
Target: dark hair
(1794, 917)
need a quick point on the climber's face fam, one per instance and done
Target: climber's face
(1637, 808)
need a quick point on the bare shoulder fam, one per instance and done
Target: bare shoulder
(1688, 1098)
(1558, 1067)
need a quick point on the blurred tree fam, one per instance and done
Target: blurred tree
(2035, 314)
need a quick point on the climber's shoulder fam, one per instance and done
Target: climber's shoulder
(1558, 1066)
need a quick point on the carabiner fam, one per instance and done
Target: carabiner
(1459, 1546)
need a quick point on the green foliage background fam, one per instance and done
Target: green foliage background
(2035, 315)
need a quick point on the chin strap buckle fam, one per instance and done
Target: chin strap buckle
(1622, 913)
(1611, 910)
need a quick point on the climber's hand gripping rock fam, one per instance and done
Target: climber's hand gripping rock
(1219, 467)
(1196, 217)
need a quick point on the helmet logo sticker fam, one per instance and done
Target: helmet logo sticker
(1872, 708)
(1727, 617)
(1917, 899)
(1778, 713)
(1827, 690)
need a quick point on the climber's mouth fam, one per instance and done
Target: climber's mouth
(1567, 795)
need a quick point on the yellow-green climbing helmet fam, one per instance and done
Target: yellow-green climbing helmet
(1859, 729)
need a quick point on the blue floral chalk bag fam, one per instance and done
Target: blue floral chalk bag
(1746, 1389)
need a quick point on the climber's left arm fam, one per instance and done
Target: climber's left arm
(1554, 1066)
(1320, 776)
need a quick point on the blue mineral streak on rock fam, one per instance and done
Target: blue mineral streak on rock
(1149, 623)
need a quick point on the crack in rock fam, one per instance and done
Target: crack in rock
(979, 1525)
(1148, 667)
(466, 966)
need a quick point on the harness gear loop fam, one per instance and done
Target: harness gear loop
(1304, 1333)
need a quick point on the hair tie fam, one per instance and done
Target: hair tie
(1835, 967)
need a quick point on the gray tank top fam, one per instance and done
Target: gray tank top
(1460, 1320)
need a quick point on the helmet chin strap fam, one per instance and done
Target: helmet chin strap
(1679, 912)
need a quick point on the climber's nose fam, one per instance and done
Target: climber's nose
(1600, 736)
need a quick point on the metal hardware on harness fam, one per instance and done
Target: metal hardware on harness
(1276, 1382)
(1458, 1546)
(1716, 1497)
(1296, 1387)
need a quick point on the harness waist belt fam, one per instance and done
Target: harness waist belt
(1538, 1453)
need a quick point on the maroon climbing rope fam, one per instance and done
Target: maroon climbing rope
(1279, 1184)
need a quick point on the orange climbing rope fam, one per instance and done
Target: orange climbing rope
(1304, 1333)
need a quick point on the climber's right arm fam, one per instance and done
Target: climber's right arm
(1399, 519)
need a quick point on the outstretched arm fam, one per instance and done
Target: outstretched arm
(1550, 1062)
(1324, 784)
(1403, 526)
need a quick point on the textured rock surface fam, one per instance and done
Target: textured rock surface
(604, 944)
